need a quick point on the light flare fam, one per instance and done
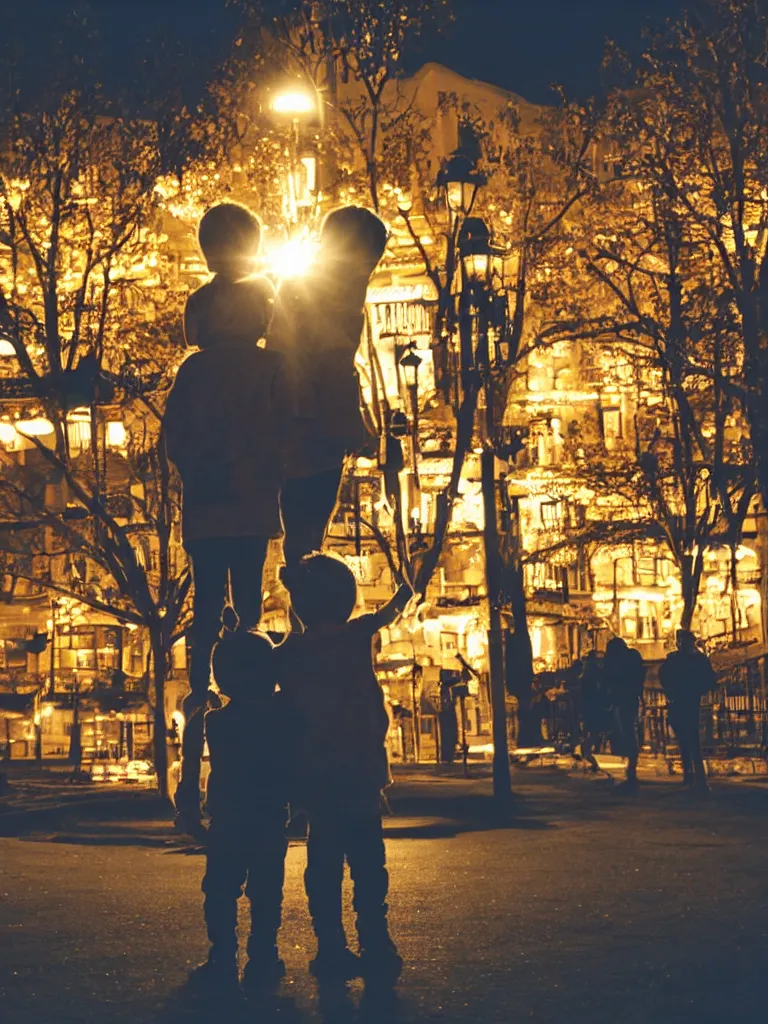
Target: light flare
(294, 258)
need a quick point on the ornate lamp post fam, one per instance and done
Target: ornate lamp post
(479, 314)
(298, 104)
(410, 363)
(460, 181)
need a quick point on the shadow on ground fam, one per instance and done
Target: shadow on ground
(336, 1004)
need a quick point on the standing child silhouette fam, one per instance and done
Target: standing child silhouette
(249, 742)
(326, 674)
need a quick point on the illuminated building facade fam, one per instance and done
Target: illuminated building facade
(583, 582)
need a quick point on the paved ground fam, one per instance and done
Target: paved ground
(587, 906)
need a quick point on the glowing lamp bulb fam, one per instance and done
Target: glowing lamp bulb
(7, 433)
(292, 259)
(38, 426)
(293, 103)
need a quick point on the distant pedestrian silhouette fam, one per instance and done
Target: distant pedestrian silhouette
(624, 674)
(225, 425)
(249, 741)
(595, 708)
(317, 327)
(328, 679)
(686, 675)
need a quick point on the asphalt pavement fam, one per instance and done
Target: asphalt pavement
(584, 905)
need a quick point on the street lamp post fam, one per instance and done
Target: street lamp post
(298, 104)
(55, 605)
(477, 312)
(410, 363)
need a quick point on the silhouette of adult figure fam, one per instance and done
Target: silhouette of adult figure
(317, 327)
(224, 427)
(449, 728)
(685, 676)
(624, 675)
(595, 704)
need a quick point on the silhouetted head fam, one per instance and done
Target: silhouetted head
(244, 664)
(591, 659)
(229, 236)
(686, 641)
(323, 590)
(616, 646)
(355, 235)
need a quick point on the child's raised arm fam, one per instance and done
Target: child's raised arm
(390, 611)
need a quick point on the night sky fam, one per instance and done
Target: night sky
(523, 46)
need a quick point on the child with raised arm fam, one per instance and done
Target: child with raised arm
(317, 327)
(328, 679)
(249, 743)
(225, 427)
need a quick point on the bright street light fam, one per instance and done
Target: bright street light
(294, 103)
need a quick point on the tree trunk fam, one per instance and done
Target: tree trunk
(159, 673)
(734, 579)
(690, 577)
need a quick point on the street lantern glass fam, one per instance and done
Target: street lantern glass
(294, 103)
(410, 364)
(475, 250)
(460, 180)
(37, 426)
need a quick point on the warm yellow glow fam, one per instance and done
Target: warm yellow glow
(7, 433)
(116, 434)
(294, 102)
(293, 258)
(38, 426)
(6, 348)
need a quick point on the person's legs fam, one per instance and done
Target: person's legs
(367, 865)
(307, 504)
(677, 720)
(322, 880)
(208, 559)
(246, 558)
(264, 889)
(696, 768)
(210, 563)
(225, 874)
(588, 745)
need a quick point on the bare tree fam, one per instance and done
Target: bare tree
(88, 315)
(697, 118)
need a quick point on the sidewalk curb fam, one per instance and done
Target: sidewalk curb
(99, 801)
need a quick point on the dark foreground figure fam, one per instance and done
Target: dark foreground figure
(327, 676)
(686, 675)
(249, 743)
(225, 425)
(624, 676)
(317, 328)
